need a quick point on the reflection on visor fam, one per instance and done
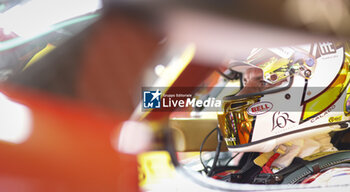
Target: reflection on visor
(278, 64)
(235, 123)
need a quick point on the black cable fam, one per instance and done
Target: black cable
(201, 148)
(169, 146)
(217, 152)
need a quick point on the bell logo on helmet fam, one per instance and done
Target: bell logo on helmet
(259, 108)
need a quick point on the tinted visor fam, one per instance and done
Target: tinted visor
(235, 123)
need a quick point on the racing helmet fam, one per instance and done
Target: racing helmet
(287, 93)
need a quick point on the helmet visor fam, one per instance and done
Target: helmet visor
(235, 123)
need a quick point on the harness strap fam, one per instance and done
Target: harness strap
(267, 167)
(314, 164)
